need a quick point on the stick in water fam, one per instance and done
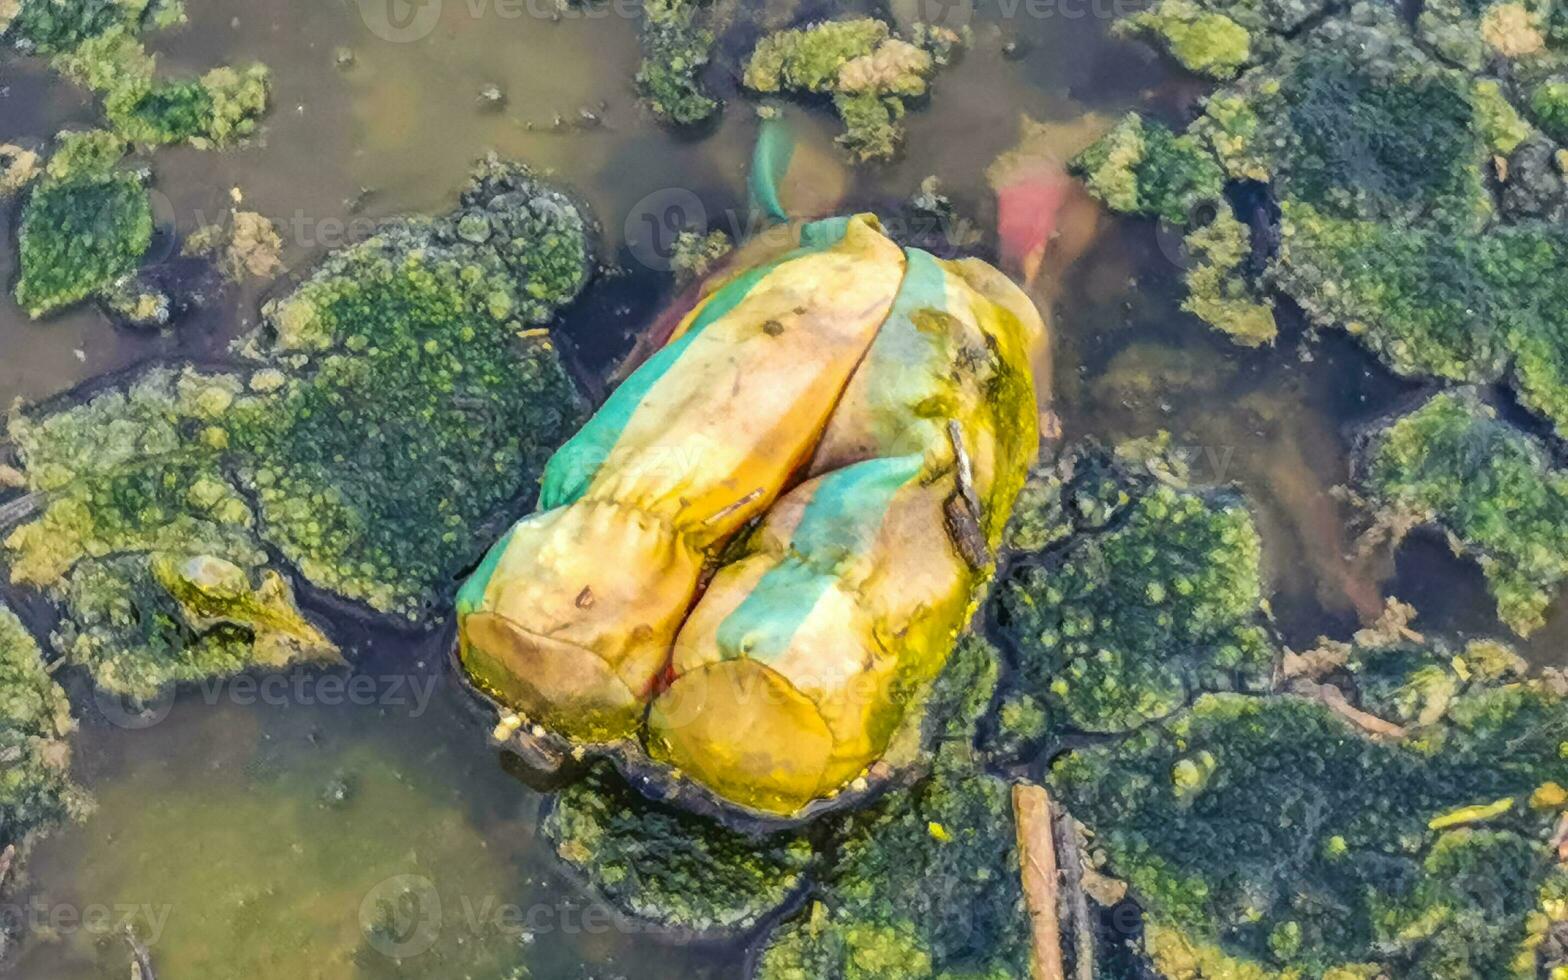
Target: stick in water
(141, 960)
(1077, 902)
(1037, 868)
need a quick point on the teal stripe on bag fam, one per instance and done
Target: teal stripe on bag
(472, 593)
(571, 471)
(843, 517)
(909, 364)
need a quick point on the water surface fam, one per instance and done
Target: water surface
(305, 834)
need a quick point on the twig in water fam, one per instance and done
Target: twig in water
(1077, 902)
(14, 512)
(1037, 870)
(141, 960)
(1335, 699)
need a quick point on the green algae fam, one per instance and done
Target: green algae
(85, 153)
(678, 870)
(1549, 107)
(1466, 308)
(36, 790)
(1473, 35)
(1453, 464)
(84, 226)
(426, 414)
(809, 59)
(677, 43)
(1218, 291)
(1143, 168)
(51, 26)
(389, 413)
(96, 43)
(923, 885)
(1417, 202)
(130, 482)
(1205, 42)
(961, 696)
(1267, 836)
(129, 471)
(1392, 138)
(220, 108)
(1120, 626)
(871, 75)
(1504, 126)
(140, 623)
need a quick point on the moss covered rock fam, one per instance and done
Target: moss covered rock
(1465, 307)
(35, 722)
(84, 226)
(140, 623)
(1205, 41)
(677, 43)
(426, 413)
(389, 415)
(923, 885)
(1418, 206)
(1143, 168)
(1268, 836)
(1121, 624)
(1453, 464)
(870, 75)
(665, 866)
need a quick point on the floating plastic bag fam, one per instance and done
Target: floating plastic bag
(766, 542)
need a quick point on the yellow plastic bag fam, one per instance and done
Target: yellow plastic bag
(872, 410)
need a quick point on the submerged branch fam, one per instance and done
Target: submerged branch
(1038, 872)
(14, 512)
(141, 959)
(1077, 902)
(1334, 698)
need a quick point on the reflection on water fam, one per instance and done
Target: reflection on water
(255, 832)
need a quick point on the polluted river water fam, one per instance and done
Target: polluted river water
(271, 826)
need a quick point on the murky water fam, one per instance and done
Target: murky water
(256, 834)
(319, 825)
